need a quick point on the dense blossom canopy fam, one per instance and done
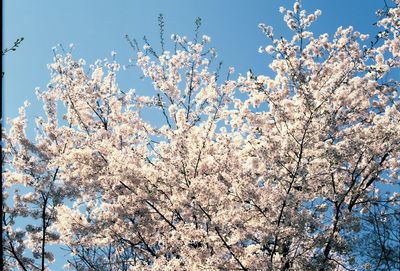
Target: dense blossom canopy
(293, 171)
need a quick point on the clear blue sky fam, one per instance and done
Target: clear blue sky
(97, 27)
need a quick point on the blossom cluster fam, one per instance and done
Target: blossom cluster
(259, 172)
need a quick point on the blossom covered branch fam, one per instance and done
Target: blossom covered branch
(285, 172)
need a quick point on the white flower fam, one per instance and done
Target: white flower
(97, 74)
(267, 29)
(206, 39)
(364, 37)
(172, 109)
(269, 49)
(296, 7)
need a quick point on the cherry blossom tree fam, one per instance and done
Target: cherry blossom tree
(292, 171)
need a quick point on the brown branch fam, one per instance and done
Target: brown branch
(289, 189)
(162, 216)
(230, 249)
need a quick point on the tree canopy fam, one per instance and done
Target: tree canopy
(292, 171)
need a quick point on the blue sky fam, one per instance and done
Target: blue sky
(97, 27)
